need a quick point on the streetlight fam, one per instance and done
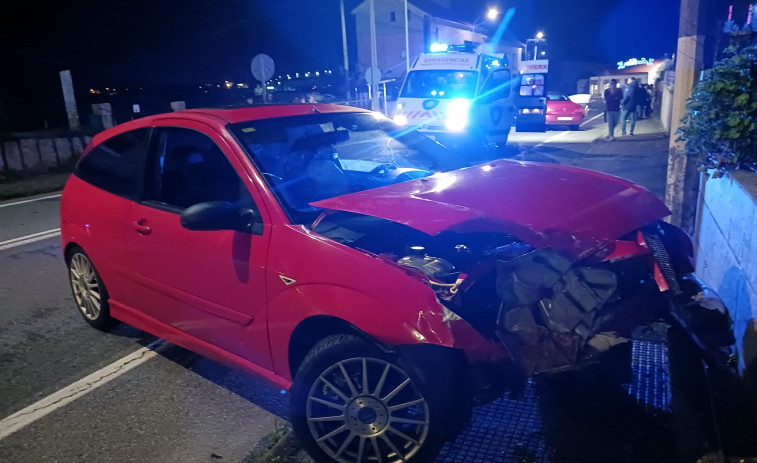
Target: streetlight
(491, 15)
(539, 38)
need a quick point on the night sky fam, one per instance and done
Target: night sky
(144, 42)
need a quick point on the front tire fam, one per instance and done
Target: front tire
(351, 402)
(88, 289)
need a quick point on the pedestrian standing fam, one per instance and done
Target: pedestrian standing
(628, 105)
(613, 96)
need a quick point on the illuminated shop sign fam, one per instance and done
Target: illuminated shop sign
(634, 62)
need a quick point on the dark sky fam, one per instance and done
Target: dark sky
(199, 40)
(113, 44)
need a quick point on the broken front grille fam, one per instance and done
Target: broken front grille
(663, 260)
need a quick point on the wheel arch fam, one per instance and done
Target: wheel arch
(312, 330)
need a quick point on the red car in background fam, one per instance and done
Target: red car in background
(381, 279)
(562, 111)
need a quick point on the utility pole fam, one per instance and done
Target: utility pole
(374, 57)
(683, 179)
(344, 49)
(407, 42)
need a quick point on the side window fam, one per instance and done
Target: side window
(114, 165)
(499, 83)
(186, 167)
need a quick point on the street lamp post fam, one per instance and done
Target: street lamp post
(491, 15)
(539, 38)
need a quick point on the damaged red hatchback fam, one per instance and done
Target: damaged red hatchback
(380, 278)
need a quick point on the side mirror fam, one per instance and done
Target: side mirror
(221, 215)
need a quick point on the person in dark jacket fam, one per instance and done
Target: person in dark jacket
(628, 105)
(613, 96)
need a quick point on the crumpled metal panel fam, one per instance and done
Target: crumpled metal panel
(549, 307)
(544, 205)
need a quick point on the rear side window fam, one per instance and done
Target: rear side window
(114, 165)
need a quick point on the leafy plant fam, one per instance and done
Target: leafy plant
(720, 125)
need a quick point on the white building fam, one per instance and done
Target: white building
(428, 22)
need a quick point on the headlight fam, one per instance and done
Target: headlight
(400, 119)
(457, 115)
(530, 111)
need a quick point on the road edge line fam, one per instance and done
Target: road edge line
(62, 397)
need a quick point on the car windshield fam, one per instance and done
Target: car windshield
(557, 97)
(440, 83)
(309, 158)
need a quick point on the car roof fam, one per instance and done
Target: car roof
(219, 117)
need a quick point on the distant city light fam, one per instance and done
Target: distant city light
(543, 53)
(317, 74)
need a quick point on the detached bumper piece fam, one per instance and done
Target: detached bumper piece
(703, 316)
(549, 312)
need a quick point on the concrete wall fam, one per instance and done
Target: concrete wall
(29, 153)
(726, 237)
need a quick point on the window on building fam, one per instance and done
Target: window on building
(392, 16)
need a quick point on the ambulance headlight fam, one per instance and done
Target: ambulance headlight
(400, 119)
(457, 115)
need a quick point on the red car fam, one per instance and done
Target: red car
(378, 277)
(562, 111)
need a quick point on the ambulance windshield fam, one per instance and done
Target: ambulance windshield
(440, 83)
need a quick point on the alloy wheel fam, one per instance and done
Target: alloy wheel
(85, 286)
(367, 410)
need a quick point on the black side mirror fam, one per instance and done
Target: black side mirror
(221, 215)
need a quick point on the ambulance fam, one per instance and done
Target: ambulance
(455, 94)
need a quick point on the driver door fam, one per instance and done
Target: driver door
(207, 284)
(494, 110)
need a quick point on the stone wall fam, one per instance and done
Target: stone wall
(32, 152)
(726, 238)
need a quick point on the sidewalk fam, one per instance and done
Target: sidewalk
(33, 185)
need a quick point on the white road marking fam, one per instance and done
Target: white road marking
(63, 397)
(562, 134)
(15, 203)
(29, 239)
(589, 120)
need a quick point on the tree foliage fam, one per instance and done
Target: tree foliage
(720, 124)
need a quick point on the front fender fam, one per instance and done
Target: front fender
(418, 321)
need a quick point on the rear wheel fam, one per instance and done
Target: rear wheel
(352, 402)
(90, 294)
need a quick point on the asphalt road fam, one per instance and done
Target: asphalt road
(174, 406)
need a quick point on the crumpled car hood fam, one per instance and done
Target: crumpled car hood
(545, 205)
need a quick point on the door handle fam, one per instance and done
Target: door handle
(141, 227)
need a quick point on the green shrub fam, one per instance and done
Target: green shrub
(720, 125)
